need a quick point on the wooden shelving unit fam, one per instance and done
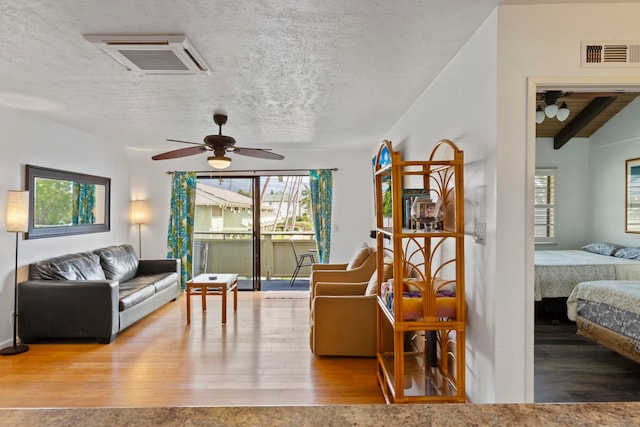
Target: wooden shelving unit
(421, 336)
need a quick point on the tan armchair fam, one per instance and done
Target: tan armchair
(343, 317)
(357, 270)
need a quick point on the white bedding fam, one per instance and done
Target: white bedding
(622, 294)
(557, 272)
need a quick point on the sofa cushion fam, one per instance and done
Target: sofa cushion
(132, 295)
(159, 281)
(359, 257)
(372, 286)
(79, 266)
(40, 270)
(118, 262)
(387, 272)
(164, 281)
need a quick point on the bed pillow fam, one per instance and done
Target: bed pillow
(628, 253)
(601, 248)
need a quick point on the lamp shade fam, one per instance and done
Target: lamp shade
(139, 212)
(219, 162)
(563, 112)
(539, 115)
(551, 110)
(17, 211)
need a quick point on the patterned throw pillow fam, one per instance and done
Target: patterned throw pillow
(628, 253)
(601, 248)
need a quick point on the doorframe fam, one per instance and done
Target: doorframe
(255, 234)
(535, 83)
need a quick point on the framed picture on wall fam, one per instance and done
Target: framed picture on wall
(383, 159)
(632, 206)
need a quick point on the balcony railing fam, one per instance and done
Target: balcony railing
(232, 252)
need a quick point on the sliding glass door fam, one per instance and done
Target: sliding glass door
(232, 236)
(287, 231)
(225, 240)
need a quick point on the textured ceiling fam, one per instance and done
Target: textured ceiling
(294, 74)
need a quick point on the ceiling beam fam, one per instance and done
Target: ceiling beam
(583, 118)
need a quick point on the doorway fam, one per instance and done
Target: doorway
(233, 236)
(557, 343)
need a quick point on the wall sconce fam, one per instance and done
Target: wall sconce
(139, 216)
(17, 221)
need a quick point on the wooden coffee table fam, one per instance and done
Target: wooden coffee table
(213, 284)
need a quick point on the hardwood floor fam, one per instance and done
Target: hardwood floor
(261, 357)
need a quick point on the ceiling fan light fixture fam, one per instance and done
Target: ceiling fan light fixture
(219, 162)
(563, 112)
(539, 115)
(551, 110)
(220, 144)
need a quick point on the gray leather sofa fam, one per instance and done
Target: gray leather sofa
(93, 295)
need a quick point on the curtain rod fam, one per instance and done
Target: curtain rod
(214, 172)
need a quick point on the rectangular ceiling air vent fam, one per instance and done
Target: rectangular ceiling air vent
(152, 54)
(612, 54)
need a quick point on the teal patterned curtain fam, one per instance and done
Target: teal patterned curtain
(84, 203)
(321, 182)
(180, 236)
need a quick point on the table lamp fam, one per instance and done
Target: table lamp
(139, 216)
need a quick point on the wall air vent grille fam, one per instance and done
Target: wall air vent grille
(611, 54)
(152, 54)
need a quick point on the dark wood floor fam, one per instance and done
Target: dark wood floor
(569, 368)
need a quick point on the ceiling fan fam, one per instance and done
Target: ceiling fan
(220, 144)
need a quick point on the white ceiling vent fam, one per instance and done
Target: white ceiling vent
(612, 54)
(152, 54)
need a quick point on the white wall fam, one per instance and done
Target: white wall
(611, 146)
(590, 186)
(27, 139)
(488, 99)
(352, 193)
(489, 121)
(549, 56)
(572, 190)
(468, 118)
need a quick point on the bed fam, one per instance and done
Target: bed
(557, 272)
(608, 313)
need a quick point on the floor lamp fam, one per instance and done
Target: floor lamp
(17, 221)
(139, 217)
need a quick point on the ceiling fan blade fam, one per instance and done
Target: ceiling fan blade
(184, 142)
(257, 152)
(181, 152)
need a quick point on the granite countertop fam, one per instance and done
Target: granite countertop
(582, 414)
